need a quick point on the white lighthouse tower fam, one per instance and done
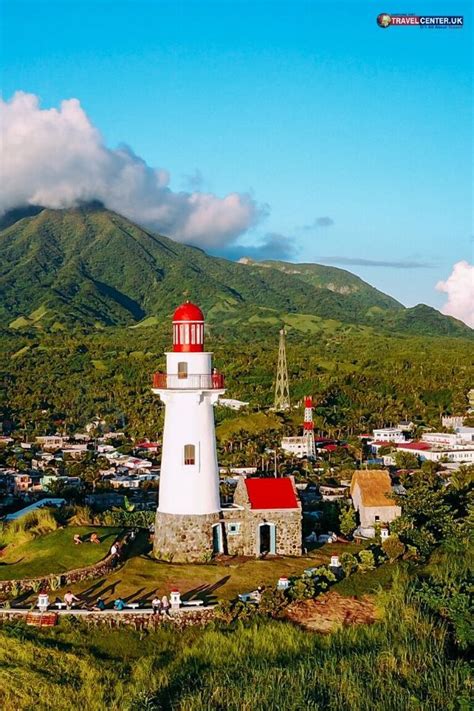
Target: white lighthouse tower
(188, 524)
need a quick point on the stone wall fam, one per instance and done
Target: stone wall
(136, 620)
(184, 538)
(288, 527)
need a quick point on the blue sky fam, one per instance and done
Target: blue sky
(309, 106)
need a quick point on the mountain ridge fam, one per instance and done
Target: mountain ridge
(89, 267)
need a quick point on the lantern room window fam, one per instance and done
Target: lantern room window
(189, 454)
(182, 370)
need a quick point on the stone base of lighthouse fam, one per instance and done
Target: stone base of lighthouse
(184, 538)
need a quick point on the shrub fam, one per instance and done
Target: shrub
(24, 529)
(348, 563)
(366, 561)
(393, 548)
(273, 602)
(302, 589)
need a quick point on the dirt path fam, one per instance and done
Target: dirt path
(331, 610)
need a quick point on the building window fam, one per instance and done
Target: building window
(182, 370)
(189, 454)
(233, 529)
(377, 518)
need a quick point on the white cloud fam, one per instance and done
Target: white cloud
(57, 158)
(459, 287)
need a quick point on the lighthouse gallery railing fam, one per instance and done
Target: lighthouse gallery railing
(163, 381)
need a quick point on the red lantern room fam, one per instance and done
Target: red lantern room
(188, 329)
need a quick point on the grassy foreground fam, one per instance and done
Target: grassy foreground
(398, 664)
(55, 552)
(141, 575)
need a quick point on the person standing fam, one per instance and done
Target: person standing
(70, 599)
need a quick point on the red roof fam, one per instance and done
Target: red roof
(414, 445)
(148, 445)
(271, 493)
(188, 312)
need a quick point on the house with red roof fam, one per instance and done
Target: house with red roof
(264, 519)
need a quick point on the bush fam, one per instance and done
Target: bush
(273, 603)
(366, 561)
(393, 548)
(24, 529)
(302, 589)
(348, 563)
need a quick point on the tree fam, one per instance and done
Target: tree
(347, 521)
(366, 561)
(348, 563)
(406, 460)
(427, 516)
(393, 548)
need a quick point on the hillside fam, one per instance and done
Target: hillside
(91, 267)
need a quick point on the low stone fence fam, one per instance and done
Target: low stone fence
(137, 619)
(50, 583)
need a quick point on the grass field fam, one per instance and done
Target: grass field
(54, 553)
(141, 576)
(397, 664)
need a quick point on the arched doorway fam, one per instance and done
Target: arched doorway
(217, 539)
(266, 539)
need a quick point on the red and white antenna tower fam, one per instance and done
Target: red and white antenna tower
(308, 427)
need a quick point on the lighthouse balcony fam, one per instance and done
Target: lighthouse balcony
(205, 381)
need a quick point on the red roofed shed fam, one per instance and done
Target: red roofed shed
(271, 493)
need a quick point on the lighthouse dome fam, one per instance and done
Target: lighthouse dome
(188, 329)
(188, 312)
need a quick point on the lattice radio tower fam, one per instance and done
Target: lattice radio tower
(282, 388)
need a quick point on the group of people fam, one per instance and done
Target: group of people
(160, 605)
(93, 538)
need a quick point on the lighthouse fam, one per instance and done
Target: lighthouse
(187, 526)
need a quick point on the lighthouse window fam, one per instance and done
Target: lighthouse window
(233, 529)
(189, 454)
(182, 370)
(193, 334)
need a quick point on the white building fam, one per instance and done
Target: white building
(297, 446)
(189, 503)
(232, 404)
(389, 434)
(51, 441)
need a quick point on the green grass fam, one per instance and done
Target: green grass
(54, 553)
(141, 576)
(398, 664)
(360, 584)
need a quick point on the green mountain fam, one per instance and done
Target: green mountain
(91, 267)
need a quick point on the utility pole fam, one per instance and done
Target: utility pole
(282, 388)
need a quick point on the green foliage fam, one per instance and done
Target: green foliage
(349, 563)
(432, 512)
(406, 460)
(347, 521)
(401, 662)
(128, 519)
(445, 589)
(366, 561)
(393, 548)
(26, 528)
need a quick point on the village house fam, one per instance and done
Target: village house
(371, 493)
(265, 518)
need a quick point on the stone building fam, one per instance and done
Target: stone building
(265, 518)
(371, 492)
